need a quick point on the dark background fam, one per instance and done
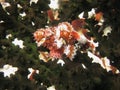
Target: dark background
(72, 76)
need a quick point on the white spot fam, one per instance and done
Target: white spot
(117, 72)
(57, 32)
(22, 14)
(42, 11)
(81, 15)
(3, 47)
(51, 88)
(5, 4)
(8, 70)
(91, 13)
(106, 31)
(59, 42)
(82, 39)
(104, 62)
(60, 61)
(8, 36)
(100, 23)
(19, 6)
(95, 58)
(31, 70)
(33, 1)
(1, 21)
(54, 4)
(41, 84)
(62, 26)
(95, 44)
(46, 26)
(33, 24)
(67, 50)
(18, 42)
(112, 61)
(84, 66)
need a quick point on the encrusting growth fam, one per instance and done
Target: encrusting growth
(65, 39)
